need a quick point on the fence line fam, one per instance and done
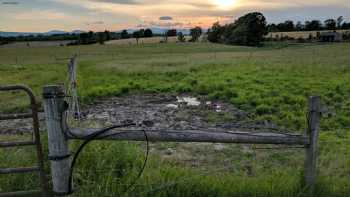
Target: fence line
(59, 134)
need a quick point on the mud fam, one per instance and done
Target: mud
(162, 111)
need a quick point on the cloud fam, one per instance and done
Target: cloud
(167, 24)
(202, 5)
(10, 2)
(165, 18)
(41, 15)
(117, 1)
(95, 23)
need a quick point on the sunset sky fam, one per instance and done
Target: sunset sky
(68, 15)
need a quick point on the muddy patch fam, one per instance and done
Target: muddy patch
(162, 111)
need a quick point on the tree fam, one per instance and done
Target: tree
(87, 38)
(101, 37)
(136, 35)
(330, 24)
(171, 33)
(195, 34)
(340, 20)
(148, 33)
(299, 26)
(124, 34)
(286, 26)
(181, 37)
(215, 32)
(141, 33)
(272, 28)
(83, 38)
(345, 26)
(107, 35)
(313, 25)
(248, 30)
(90, 34)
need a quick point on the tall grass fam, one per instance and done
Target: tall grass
(271, 83)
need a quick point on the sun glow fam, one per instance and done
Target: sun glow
(225, 4)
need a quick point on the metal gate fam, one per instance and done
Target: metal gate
(35, 141)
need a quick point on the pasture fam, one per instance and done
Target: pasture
(270, 83)
(301, 34)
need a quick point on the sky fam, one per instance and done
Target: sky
(114, 15)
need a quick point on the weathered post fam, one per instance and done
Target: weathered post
(311, 150)
(55, 106)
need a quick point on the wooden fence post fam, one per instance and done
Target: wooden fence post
(311, 151)
(55, 106)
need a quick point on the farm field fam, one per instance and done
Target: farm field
(153, 40)
(300, 34)
(36, 44)
(270, 83)
(130, 41)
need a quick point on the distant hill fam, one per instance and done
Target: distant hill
(52, 32)
(14, 34)
(77, 31)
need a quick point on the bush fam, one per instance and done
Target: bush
(181, 37)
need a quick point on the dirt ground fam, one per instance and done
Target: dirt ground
(158, 111)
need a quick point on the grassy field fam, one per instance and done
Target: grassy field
(36, 44)
(301, 34)
(153, 40)
(130, 41)
(271, 83)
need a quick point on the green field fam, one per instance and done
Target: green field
(270, 83)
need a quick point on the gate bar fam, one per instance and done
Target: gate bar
(36, 132)
(19, 170)
(16, 143)
(21, 193)
(16, 116)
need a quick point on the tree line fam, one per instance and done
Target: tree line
(39, 37)
(249, 30)
(313, 25)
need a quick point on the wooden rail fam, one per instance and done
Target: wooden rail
(214, 136)
(58, 136)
